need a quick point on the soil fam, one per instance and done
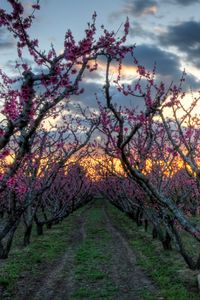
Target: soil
(58, 280)
(127, 275)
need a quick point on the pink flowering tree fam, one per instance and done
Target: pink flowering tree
(50, 153)
(35, 151)
(182, 129)
(69, 191)
(136, 138)
(33, 98)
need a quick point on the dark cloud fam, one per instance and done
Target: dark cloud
(137, 8)
(92, 75)
(10, 66)
(88, 97)
(5, 40)
(168, 67)
(138, 30)
(192, 82)
(147, 55)
(6, 44)
(185, 2)
(131, 102)
(186, 38)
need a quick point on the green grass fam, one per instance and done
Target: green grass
(166, 268)
(42, 251)
(92, 258)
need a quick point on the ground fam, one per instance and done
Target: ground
(107, 270)
(95, 260)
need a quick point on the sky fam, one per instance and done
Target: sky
(165, 32)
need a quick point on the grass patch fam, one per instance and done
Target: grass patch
(166, 268)
(32, 259)
(92, 260)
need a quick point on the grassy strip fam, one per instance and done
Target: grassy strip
(166, 268)
(92, 259)
(34, 259)
(93, 256)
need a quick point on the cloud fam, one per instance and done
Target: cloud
(10, 66)
(5, 40)
(137, 8)
(185, 37)
(140, 8)
(139, 30)
(6, 44)
(147, 55)
(92, 76)
(88, 98)
(185, 2)
(168, 66)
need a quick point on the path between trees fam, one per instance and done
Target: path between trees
(98, 263)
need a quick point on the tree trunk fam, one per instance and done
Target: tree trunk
(167, 242)
(39, 225)
(49, 225)
(27, 235)
(154, 233)
(6, 241)
(146, 224)
(40, 228)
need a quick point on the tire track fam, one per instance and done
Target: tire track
(59, 284)
(127, 275)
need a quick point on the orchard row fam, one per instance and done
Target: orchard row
(44, 137)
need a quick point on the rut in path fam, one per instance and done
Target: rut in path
(128, 280)
(129, 277)
(59, 283)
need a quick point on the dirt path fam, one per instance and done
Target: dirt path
(129, 278)
(106, 267)
(59, 283)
